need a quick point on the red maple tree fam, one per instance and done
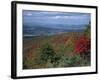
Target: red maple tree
(82, 45)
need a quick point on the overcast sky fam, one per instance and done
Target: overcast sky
(31, 17)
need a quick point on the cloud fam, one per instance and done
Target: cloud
(49, 17)
(69, 17)
(29, 14)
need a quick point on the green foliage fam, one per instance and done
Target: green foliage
(69, 48)
(63, 61)
(59, 60)
(85, 62)
(74, 61)
(27, 63)
(61, 49)
(45, 52)
(49, 64)
(47, 58)
(25, 66)
(87, 32)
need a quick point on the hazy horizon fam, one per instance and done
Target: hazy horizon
(42, 22)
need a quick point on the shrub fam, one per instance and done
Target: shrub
(83, 45)
(70, 43)
(63, 62)
(69, 48)
(87, 32)
(45, 52)
(27, 63)
(75, 61)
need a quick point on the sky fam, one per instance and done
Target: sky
(31, 18)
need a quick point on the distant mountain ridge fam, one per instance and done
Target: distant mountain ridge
(43, 30)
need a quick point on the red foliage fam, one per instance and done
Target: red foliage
(83, 45)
